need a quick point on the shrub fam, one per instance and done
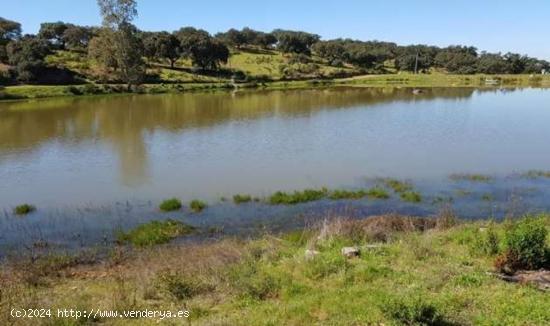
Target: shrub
(253, 282)
(155, 232)
(197, 206)
(169, 205)
(413, 312)
(177, 286)
(487, 243)
(238, 199)
(24, 209)
(525, 246)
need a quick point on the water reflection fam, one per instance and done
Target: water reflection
(99, 147)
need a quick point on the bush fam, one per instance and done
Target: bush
(24, 209)
(413, 312)
(525, 246)
(238, 199)
(197, 206)
(177, 286)
(155, 232)
(169, 205)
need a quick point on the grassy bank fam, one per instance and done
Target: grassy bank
(409, 271)
(401, 80)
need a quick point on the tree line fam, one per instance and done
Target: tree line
(120, 48)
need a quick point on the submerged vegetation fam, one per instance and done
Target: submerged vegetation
(170, 205)
(24, 209)
(416, 271)
(154, 233)
(471, 177)
(307, 195)
(535, 174)
(197, 205)
(239, 198)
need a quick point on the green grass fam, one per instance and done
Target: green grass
(415, 278)
(154, 233)
(24, 209)
(471, 177)
(197, 205)
(240, 198)
(297, 197)
(411, 196)
(170, 205)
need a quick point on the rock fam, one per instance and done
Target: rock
(310, 254)
(350, 252)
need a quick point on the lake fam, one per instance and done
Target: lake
(94, 154)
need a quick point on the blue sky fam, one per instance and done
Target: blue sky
(505, 25)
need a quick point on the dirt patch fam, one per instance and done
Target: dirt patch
(540, 279)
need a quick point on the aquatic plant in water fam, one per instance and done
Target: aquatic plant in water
(169, 205)
(24, 209)
(154, 232)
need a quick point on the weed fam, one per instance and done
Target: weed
(413, 312)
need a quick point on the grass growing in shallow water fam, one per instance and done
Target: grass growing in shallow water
(24, 209)
(239, 199)
(307, 195)
(378, 193)
(154, 233)
(411, 196)
(197, 206)
(170, 205)
(471, 177)
(347, 194)
(397, 185)
(535, 174)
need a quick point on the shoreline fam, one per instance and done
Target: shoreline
(429, 268)
(29, 92)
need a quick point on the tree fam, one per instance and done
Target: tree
(232, 37)
(295, 41)
(161, 45)
(265, 40)
(128, 53)
(117, 13)
(492, 63)
(203, 50)
(53, 32)
(27, 55)
(77, 37)
(128, 48)
(9, 31)
(101, 49)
